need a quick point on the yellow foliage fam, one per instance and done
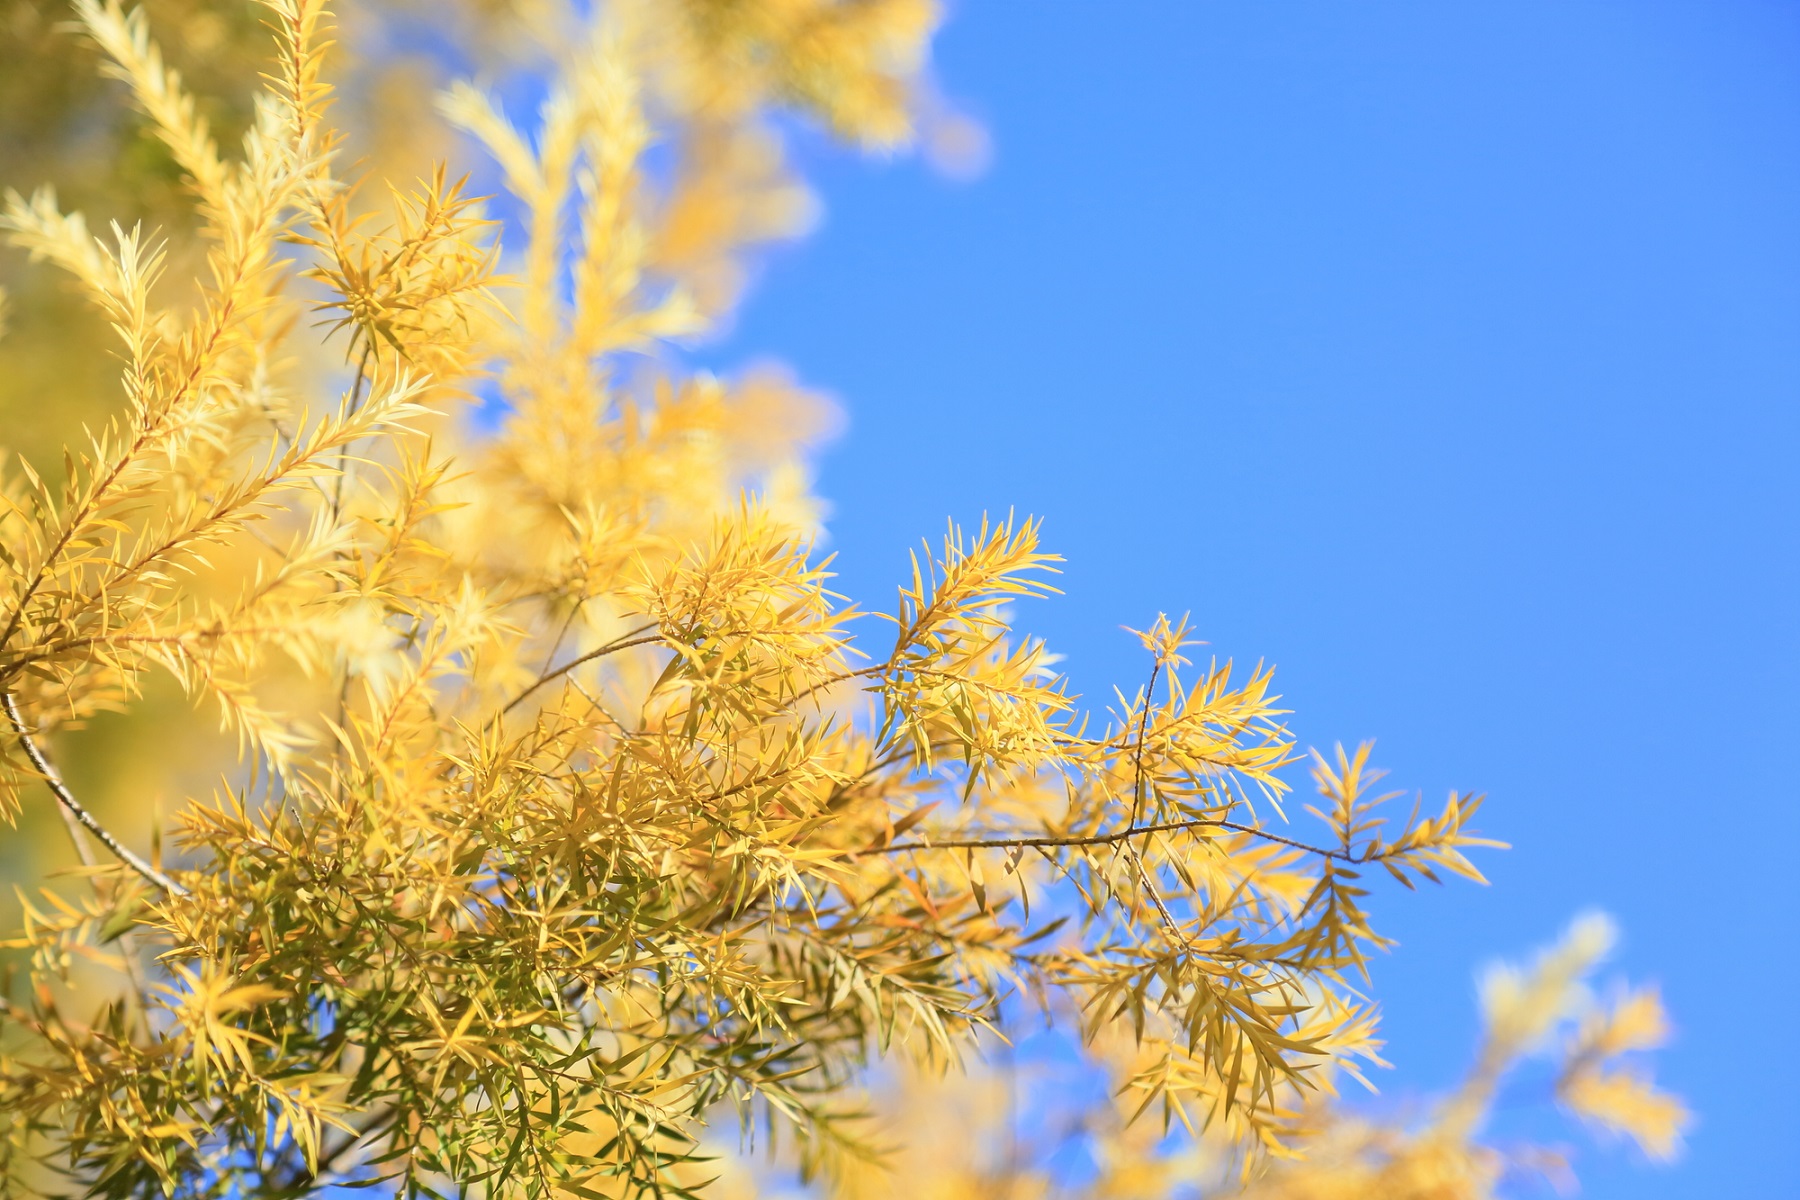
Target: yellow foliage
(568, 808)
(981, 1134)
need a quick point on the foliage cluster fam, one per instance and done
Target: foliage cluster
(1006, 1129)
(570, 807)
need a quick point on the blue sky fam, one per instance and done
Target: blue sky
(1445, 355)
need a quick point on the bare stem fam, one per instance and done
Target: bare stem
(1137, 766)
(337, 511)
(74, 808)
(623, 643)
(1105, 839)
(356, 398)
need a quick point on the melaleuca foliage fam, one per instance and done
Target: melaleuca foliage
(569, 808)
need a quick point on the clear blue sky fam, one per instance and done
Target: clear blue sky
(1448, 356)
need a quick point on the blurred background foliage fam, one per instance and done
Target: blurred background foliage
(64, 124)
(1031, 1118)
(727, 188)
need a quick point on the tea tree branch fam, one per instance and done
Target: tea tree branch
(75, 808)
(625, 642)
(1117, 836)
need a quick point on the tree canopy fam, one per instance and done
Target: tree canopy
(566, 811)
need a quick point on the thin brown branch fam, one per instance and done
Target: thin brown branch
(841, 677)
(622, 643)
(356, 398)
(1162, 909)
(1137, 768)
(562, 631)
(1105, 839)
(337, 513)
(914, 670)
(74, 807)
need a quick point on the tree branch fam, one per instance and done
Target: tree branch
(74, 808)
(1137, 762)
(623, 643)
(1105, 839)
(356, 399)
